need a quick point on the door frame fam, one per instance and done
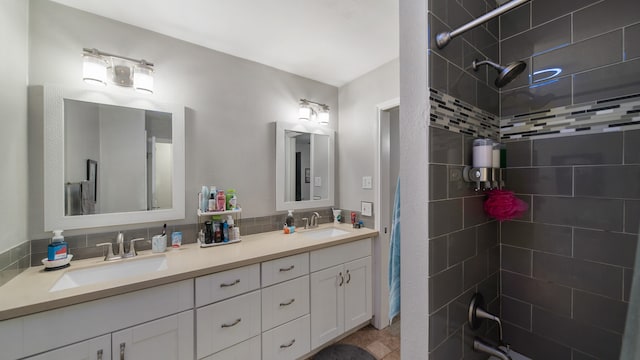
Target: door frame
(380, 250)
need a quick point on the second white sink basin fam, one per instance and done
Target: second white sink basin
(119, 269)
(324, 233)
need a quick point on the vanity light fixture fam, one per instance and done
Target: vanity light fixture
(313, 111)
(97, 66)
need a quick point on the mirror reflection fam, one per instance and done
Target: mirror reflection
(130, 147)
(306, 166)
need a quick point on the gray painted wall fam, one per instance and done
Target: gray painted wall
(13, 147)
(232, 104)
(357, 137)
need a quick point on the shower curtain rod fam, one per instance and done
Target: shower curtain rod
(443, 38)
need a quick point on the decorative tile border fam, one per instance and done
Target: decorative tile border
(454, 115)
(617, 114)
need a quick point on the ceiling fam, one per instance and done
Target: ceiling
(331, 41)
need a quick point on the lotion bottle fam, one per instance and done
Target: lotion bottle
(58, 248)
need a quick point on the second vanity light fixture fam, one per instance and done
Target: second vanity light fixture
(98, 66)
(314, 111)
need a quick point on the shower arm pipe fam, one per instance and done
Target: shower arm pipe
(443, 38)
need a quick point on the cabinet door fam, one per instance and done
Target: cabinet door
(94, 349)
(357, 292)
(169, 338)
(327, 305)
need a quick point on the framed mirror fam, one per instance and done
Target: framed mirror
(304, 166)
(110, 159)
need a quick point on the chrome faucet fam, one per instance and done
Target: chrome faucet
(121, 254)
(313, 223)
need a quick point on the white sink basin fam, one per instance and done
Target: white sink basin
(119, 269)
(324, 233)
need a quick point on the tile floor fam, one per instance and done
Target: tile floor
(383, 344)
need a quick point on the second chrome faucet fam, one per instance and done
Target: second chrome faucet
(121, 254)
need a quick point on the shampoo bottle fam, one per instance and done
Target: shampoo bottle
(289, 219)
(57, 250)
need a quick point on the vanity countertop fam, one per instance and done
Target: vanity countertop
(28, 292)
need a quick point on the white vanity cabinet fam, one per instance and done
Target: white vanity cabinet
(341, 293)
(168, 338)
(228, 311)
(154, 323)
(94, 349)
(285, 308)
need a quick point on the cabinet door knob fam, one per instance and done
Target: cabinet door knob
(348, 277)
(122, 351)
(230, 284)
(287, 269)
(284, 346)
(99, 355)
(288, 302)
(341, 279)
(232, 324)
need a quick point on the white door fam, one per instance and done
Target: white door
(169, 338)
(94, 349)
(327, 305)
(357, 292)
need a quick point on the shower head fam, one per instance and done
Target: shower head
(505, 73)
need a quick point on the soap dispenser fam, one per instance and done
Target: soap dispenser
(57, 249)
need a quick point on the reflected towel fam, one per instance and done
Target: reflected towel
(394, 258)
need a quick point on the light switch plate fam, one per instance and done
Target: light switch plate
(366, 208)
(367, 182)
(317, 181)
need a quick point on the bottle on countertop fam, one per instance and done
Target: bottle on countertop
(225, 232)
(58, 248)
(212, 199)
(222, 201)
(289, 220)
(232, 199)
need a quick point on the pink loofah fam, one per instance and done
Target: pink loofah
(503, 205)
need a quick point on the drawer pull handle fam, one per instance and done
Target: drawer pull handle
(232, 324)
(341, 279)
(288, 302)
(287, 269)
(121, 351)
(284, 346)
(230, 284)
(99, 355)
(348, 277)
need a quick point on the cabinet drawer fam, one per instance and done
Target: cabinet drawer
(284, 302)
(227, 323)
(225, 284)
(284, 269)
(339, 254)
(246, 350)
(288, 341)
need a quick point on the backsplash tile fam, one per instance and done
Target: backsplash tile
(445, 216)
(449, 113)
(537, 40)
(14, 261)
(599, 342)
(604, 16)
(515, 21)
(541, 293)
(594, 149)
(525, 100)
(620, 181)
(605, 247)
(542, 237)
(632, 42)
(587, 308)
(593, 213)
(516, 312)
(543, 11)
(608, 82)
(597, 278)
(632, 147)
(595, 52)
(541, 181)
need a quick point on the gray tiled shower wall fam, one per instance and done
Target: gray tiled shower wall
(566, 267)
(594, 43)
(464, 254)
